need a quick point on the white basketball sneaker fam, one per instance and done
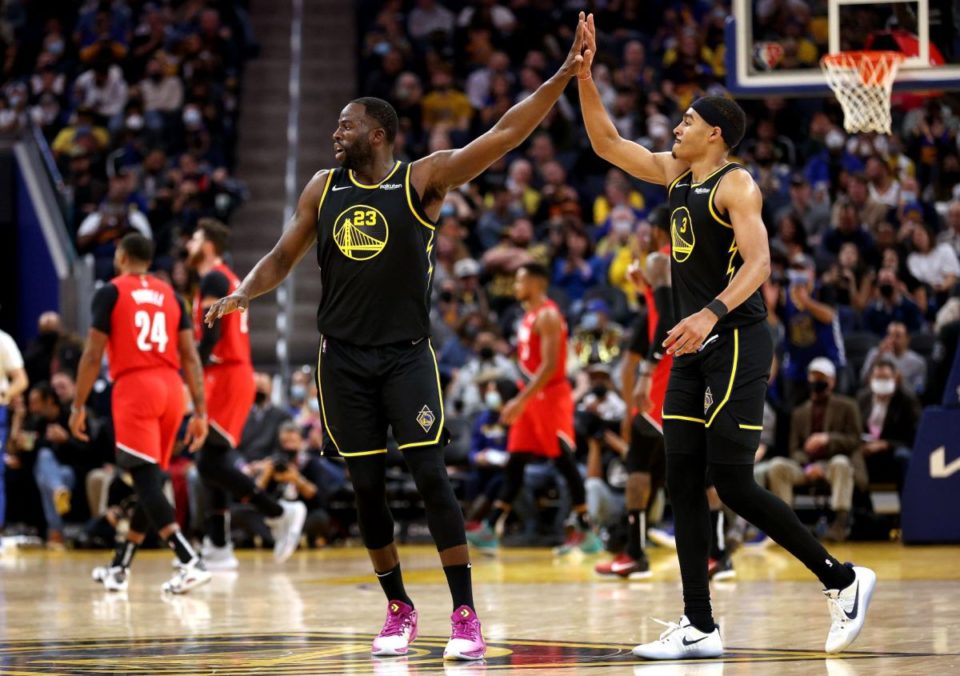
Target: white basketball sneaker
(218, 558)
(188, 576)
(681, 641)
(113, 578)
(286, 529)
(848, 609)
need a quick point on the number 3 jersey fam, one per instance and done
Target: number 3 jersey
(376, 257)
(233, 346)
(143, 317)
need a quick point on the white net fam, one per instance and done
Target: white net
(862, 82)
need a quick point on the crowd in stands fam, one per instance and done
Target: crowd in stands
(864, 233)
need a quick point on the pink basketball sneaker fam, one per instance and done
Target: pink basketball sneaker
(466, 640)
(399, 630)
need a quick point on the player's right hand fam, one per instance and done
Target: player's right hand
(226, 305)
(574, 61)
(197, 430)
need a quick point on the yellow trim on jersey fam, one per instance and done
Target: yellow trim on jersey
(751, 427)
(677, 180)
(323, 410)
(323, 195)
(356, 455)
(436, 439)
(416, 214)
(375, 185)
(710, 175)
(713, 212)
(684, 417)
(733, 375)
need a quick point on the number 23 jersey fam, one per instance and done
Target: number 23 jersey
(143, 317)
(375, 248)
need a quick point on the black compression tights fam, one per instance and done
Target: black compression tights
(738, 491)
(444, 517)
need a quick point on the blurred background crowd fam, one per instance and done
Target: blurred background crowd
(139, 103)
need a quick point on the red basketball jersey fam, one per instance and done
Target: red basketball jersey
(234, 344)
(528, 345)
(661, 373)
(144, 326)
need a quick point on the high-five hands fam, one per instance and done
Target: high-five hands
(589, 46)
(573, 64)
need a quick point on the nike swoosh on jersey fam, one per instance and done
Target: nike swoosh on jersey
(339, 187)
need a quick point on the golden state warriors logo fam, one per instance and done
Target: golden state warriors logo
(361, 232)
(682, 239)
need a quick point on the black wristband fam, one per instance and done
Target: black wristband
(717, 307)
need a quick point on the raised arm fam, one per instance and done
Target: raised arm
(297, 238)
(433, 175)
(633, 158)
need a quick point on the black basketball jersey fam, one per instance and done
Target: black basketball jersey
(376, 257)
(704, 250)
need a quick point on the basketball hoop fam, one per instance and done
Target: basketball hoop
(862, 82)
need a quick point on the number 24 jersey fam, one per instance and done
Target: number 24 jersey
(143, 317)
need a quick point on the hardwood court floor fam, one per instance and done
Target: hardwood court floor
(542, 615)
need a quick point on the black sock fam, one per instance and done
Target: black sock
(494, 516)
(717, 542)
(217, 528)
(267, 505)
(583, 520)
(461, 585)
(636, 524)
(392, 583)
(181, 547)
(123, 555)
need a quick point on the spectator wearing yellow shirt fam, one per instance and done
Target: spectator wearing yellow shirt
(445, 104)
(81, 135)
(616, 192)
(620, 246)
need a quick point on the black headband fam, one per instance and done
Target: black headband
(713, 116)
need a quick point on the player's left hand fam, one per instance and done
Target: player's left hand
(78, 424)
(197, 430)
(511, 411)
(687, 337)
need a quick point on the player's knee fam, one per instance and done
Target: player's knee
(734, 483)
(686, 476)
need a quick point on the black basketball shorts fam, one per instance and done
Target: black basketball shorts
(722, 390)
(365, 390)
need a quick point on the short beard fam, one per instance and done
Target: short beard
(358, 157)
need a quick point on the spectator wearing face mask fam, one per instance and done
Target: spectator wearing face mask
(464, 397)
(825, 435)
(488, 445)
(911, 367)
(811, 328)
(263, 423)
(890, 415)
(299, 384)
(891, 304)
